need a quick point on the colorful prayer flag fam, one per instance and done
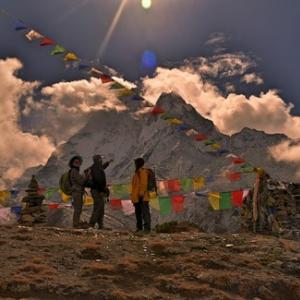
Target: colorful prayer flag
(238, 160)
(247, 168)
(173, 186)
(200, 137)
(19, 25)
(95, 72)
(46, 42)
(164, 205)
(53, 205)
(50, 192)
(127, 207)
(33, 35)
(121, 191)
(223, 151)
(178, 203)
(65, 198)
(166, 116)
(234, 176)
(137, 98)
(88, 200)
(183, 127)
(117, 86)
(174, 121)
(214, 199)
(216, 146)
(154, 203)
(83, 66)
(191, 132)
(106, 78)
(209, 142)
(126, 93)
(198, 183)
(4, 196)
(71, 56)
(163, 187)
(57, 50)
(157, 111)
(237, 198)
(186, 185)
(115, 204)
(225, 201)
(14, 193)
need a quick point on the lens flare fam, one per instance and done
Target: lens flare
(149, 60)
(146, 4)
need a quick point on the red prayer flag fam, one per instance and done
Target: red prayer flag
(115, 204)
(173, 186)
(178, 203)
(237, 198)
(238, 160)
(105, 78)
(47, 42)
(157, 111)
(234, 176)
(200, 137)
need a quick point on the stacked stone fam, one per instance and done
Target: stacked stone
(33, 211)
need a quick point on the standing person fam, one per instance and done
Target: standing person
(98, 189)
(140, 196)
(77, 182)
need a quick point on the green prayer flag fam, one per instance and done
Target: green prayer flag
(49, 193)
(186, 184)
(209, 142)
(225, 201)
(121, 191)
(165, 205)
(58, 50)
(166, 116)
(117, 86)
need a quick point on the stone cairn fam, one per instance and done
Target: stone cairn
(33, 211)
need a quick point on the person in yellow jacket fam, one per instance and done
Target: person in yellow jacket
(140, 196)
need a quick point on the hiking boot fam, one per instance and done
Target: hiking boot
(82, 225)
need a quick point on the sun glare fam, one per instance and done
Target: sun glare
(146, 4)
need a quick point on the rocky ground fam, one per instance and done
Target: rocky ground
(53, 263)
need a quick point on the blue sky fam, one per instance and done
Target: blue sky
(174, 29)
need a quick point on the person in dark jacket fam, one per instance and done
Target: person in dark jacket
(78, 183)
(98, 190)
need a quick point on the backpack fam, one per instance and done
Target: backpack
(152, 186)
(65, 184)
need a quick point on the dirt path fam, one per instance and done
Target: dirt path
(49, 263)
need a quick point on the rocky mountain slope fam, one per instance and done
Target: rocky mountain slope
(126, 135)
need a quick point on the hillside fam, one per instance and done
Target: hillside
(51, 263)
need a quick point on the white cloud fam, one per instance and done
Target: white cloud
(18, 150)
(67, 106)
(267, 112)
(252, 78)
(288, 151)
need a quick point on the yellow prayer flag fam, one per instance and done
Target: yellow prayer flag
(152, 195)
(216, 146)
(64, 198)
(154, 203)
(126, 93)
(71, 57)
(198, 183)
(4, 196)
(214, 199)
(88, 201)
(174, 121)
